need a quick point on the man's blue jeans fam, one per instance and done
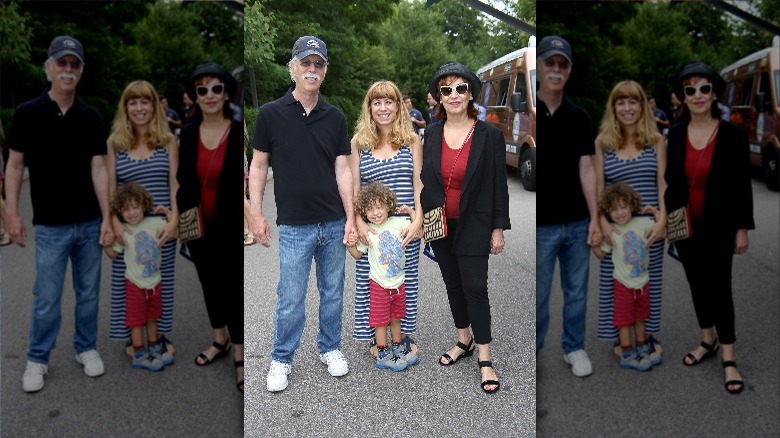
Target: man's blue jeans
(567, 243)
(54, 245)
(298, 245)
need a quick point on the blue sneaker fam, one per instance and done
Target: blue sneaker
(630, 359)
(386, 360)
(158, 351)
(404, 352)
(652, 356)
(144, 360)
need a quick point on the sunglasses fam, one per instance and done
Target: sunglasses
(461, 89)
(564, 64)
(203, 90)
(305, 63)
(704, 89)
(62, 63)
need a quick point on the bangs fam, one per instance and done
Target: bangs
(628, 90)
(384, 90)
(140, 89)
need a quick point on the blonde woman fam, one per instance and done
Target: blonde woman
(386, 149)
(141, 148)
(630, 149)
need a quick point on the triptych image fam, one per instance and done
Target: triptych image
(471, 217)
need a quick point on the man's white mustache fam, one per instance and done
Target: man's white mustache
(63, 76)
(555, 76)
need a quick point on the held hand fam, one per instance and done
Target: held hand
(741, 241)
(260, 230)
(168, 232)
(16, 228)
(352, 239)
(363, 229)
(655, 232)
(106, 233)
(349, 229)
(497, 241)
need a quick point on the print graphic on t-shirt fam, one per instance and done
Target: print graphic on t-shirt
(147, 253)
(635, 253)
(390, 253)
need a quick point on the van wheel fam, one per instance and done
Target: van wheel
(528, 169)
(771, 174)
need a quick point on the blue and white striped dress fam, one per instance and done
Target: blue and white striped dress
(641, 173)
(152, 173)
(397, 173)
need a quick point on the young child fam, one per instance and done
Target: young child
(376, 202)
(143, 303)
(630, 256)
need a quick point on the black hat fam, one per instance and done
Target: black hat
(209, 68)
(308, 45)
(697, 68)
(452, 68)
(66, 45)
(553, 45)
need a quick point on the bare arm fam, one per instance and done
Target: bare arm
(345, 186)
(598, 168)
(171, 229)
(100, 182)
(258, 175)
(13, 185)
(588, 181)
(119, 228)
(414, 231)
(658, 230)
(354, 164)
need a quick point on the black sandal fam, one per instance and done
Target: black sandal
(489, 382)
(468, 351)
(741, 383)
(222, 351)
(240, 383)
(711, 350)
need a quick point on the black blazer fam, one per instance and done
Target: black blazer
(228, 214)
(728, 196)
(484, 199)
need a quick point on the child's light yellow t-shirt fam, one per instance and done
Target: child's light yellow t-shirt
(630, 255)
(386, 257)
(142, 256)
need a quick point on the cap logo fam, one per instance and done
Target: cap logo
(312, 43)
(69, 44)
(557, 44)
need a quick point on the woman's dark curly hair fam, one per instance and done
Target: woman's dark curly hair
(616, 193)
(131, 192)
(375, 193)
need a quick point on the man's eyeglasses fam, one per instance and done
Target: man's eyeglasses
(563, 64)
(203, 90)
(704, 89)
(62, 63)
(319, 65)
(461, 89)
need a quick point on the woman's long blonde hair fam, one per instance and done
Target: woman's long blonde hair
(611, 133)
(366, 134)
(123, 137)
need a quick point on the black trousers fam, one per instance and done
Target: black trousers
(224, 302)
(465, 278)
(707, 258)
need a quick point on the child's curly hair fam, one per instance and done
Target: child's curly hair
(131, 192)
(619, 192)
(375, 193)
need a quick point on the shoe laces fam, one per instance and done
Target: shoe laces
(279, 368)
(333, 356)
(35, 368)
(90, 355)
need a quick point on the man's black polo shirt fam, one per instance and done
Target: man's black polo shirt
(58, 151)
(563, 138)
(303, 151)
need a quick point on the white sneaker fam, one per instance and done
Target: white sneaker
(336, 362)
(32, 380)
(277, 376)
(93, 364)
(580, 363)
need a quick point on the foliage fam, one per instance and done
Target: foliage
(15, 34)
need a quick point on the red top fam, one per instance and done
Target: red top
(697, 168)
(452, 196)
(209, 170)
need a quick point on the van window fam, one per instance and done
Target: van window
(747, 92)
(498, 90)
(764, 86)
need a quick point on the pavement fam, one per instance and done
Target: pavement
(424, 400)
(181, 400)
(672, 399)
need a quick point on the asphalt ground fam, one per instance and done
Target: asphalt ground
(424, 400)
(181, 400)
(672, 399)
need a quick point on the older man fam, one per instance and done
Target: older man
(569, 221)
(309, 143)
(69, 194)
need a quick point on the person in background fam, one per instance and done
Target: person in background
(72, 221)
(566, 227)
(432, 104)
(661, 121)
(418, 122)
(464, 171)
(708, 174)
(174, 123)
(208, 179)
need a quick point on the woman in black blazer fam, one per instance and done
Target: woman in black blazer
(209, 162)
(708, 171)
(464, 170)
